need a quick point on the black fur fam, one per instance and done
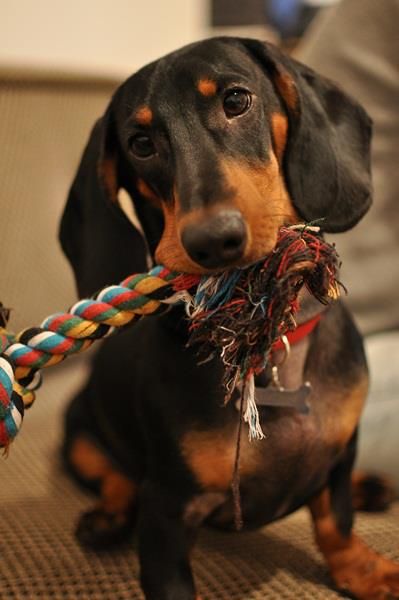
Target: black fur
(327, 161)
(141, 415)
(326, 164)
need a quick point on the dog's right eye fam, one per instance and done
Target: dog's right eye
(142, 146)
(236, 102)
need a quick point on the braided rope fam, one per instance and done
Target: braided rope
(241, 313)
(63, 334)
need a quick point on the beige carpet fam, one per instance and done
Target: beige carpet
(39, 557)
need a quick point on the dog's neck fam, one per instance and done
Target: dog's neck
(292, 366)
(282, 383)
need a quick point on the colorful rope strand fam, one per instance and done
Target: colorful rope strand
(63, 334)
(238, 315)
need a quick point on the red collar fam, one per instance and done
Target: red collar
(298, 334)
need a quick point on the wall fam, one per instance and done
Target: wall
(96, 37)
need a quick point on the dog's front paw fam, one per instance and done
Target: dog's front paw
(366, 575)
(99, 529)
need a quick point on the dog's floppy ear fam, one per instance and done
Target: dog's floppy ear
(101, 243)
(327, 155)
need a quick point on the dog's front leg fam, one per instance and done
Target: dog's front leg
(164, 546)
(355, 568)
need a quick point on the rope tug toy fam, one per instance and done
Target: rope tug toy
(237, 315)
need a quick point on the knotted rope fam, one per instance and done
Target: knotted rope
(264, 293)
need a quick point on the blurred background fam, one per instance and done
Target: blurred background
(100, 38)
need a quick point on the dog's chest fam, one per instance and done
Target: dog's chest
(296, 453)
(211, 455)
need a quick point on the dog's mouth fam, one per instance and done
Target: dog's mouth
(223, 249)
(230, 308)
(228, 235)
(252, 260)
(218, 255)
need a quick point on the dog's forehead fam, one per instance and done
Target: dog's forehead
(216, 62)
(215, 58)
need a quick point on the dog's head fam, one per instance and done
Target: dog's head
(218, 144)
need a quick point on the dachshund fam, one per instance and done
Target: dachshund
(218, 144)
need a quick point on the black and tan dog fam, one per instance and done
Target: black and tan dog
(218, 144)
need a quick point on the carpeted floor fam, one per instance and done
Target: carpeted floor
(39, 557)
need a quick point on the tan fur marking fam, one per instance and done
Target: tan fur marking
(353, 408)
(262, 198)
(345, 418)
(210, 456)
(353, 565)
(107, 172)
(144, 115)
(117, 492)
(147, 192)
(279, 133)
(207, 87)
(287, 89)
(88, 459)
(259, 193)
(170, 251)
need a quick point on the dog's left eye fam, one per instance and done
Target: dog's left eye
(236, 102)
(142, 146)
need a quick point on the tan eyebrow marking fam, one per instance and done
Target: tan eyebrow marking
(207, 87)
(144, 115)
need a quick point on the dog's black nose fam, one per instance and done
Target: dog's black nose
(218, 241)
